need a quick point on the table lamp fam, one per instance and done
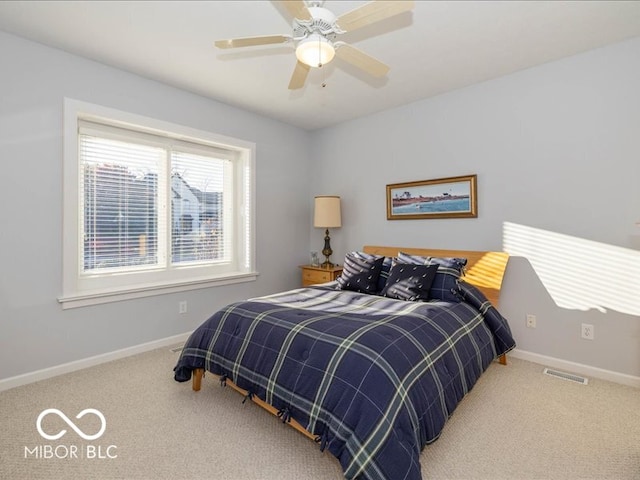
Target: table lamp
(327, 215)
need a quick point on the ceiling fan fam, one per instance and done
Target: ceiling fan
(315, 29)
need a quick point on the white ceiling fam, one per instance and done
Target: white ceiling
(438, 47)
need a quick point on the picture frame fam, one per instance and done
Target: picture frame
(452, 197)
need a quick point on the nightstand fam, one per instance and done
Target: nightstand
(312, 275)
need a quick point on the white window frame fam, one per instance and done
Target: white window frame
(81, 290)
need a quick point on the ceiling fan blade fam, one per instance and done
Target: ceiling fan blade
(296, 8)
(372, 12)
(361, 60)
(299, 76)
(250, 41)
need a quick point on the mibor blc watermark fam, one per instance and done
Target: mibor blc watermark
(71, 451)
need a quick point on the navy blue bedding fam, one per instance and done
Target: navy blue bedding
(374, 378)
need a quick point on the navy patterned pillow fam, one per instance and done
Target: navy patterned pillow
(409, 282)
(360, 273)
(445, 284)
(384, 271)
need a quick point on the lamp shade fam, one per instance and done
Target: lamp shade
(327, 212)
(315, 50)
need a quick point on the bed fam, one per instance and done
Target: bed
(370, 366)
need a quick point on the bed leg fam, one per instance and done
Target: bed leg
(197, 379)
(503, 359)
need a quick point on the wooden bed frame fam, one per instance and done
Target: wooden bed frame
(485, 270)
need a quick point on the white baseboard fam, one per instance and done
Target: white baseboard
(50, 372)
(579, 368)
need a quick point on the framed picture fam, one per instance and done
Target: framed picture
(453, 197)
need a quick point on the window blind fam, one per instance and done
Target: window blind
(151, 201)
(201, 210)
(119, 205)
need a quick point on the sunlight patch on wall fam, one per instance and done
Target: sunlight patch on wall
(579, 274)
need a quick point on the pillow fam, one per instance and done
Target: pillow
(445, 284)
(360, 273)
(384, 273)
(409, 282)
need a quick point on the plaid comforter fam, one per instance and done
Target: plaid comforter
(374, 378)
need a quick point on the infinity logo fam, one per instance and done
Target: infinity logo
(71, 424)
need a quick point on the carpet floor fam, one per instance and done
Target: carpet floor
(516, 423)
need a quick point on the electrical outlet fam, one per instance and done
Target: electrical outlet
(182, 307)
(588, 332)
(531, 321)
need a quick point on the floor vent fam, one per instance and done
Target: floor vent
(566, 376)
(176, 349)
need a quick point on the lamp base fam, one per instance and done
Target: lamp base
(326, 251)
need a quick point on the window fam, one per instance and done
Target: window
(151, 207)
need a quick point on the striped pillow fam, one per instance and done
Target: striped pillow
(409, 282)
(445, 284)
(360, 273)
(384, 273)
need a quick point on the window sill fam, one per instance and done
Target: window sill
(108, 296)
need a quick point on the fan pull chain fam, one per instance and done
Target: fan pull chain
(320, 65)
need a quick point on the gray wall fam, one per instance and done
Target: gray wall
(556, 149)
(35, 332)
(557, 152)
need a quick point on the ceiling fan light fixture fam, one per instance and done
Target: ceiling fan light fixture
(315, 50)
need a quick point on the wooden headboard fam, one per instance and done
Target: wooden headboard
(484, 269)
